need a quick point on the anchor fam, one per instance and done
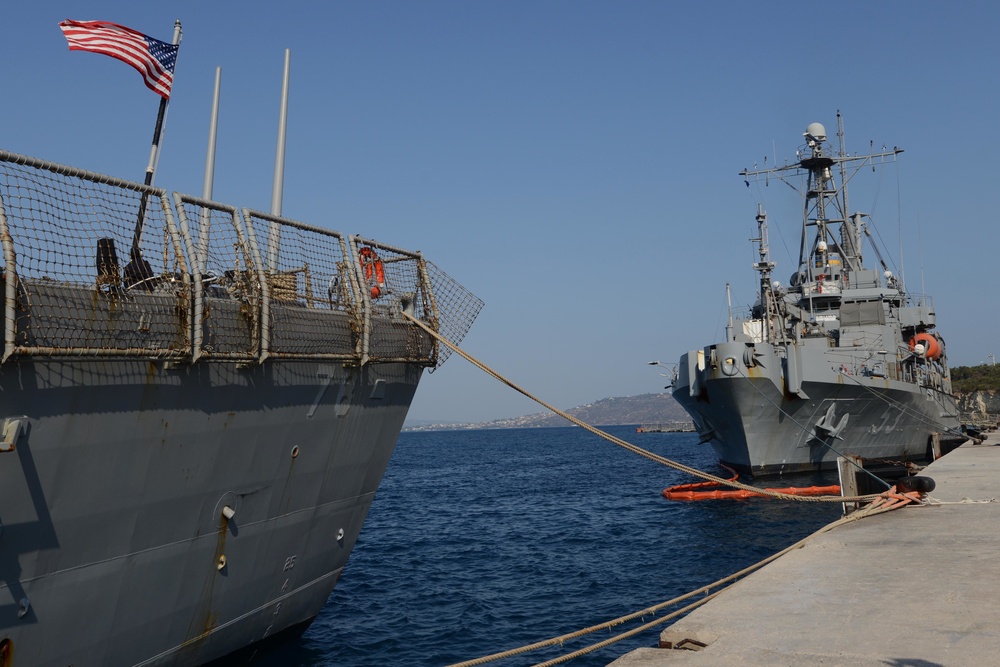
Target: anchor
(826, 429)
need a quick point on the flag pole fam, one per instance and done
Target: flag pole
(136, 253)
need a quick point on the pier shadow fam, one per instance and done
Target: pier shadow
(911, 662)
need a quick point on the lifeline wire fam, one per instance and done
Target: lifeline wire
(627, 445)
(905, 409)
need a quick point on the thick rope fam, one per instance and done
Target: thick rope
(886, 502)
(627, 445)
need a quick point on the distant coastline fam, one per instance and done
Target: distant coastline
(618, 411)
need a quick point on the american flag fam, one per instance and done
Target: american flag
(152, 58)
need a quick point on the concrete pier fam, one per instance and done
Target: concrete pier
(914, 587)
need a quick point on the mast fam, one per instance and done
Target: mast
(208, 184)
(825, 205)
(765, 266)
(213, 126)
(818, 192)
(274, 236)
(729, 305)
(841, 161)
(279, 157)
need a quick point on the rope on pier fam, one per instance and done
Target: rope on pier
(884, 502)
(880, 503)
(627, 445)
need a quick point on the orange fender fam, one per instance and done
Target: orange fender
(684, 492)
(931, 345)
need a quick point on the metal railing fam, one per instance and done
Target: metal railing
(216, 283)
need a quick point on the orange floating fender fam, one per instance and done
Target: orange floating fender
(832, 490)
(932, 347)
(679, 489)
(700, 490)
(678, 493)
(374, 271)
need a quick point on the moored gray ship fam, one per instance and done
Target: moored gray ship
(199, 402)
(841, 361)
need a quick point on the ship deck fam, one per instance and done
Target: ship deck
(915, 586)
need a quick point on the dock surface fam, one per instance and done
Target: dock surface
(915, 587)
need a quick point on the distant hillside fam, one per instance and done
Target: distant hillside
(978, 391)
(967, 379)
(623, 410)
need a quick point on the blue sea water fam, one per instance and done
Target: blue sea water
(482, 541)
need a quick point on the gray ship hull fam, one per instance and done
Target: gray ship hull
(758, 421)
(114, 505)
(189, 446)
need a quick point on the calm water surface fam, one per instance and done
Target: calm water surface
(482, 541)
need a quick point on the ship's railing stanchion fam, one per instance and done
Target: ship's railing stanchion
(178, 240)
(227, 274)
(10, 285)
(265, 289)
(364, 301)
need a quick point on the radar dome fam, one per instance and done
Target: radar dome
(816, 131)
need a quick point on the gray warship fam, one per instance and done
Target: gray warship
(199, 402)
(841, 361)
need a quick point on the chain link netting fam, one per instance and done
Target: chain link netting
(97, 267)
(103, 268)
(313, 305)
(393, 280)
(457, 309)
(230, 319)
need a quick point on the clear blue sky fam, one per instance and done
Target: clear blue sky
(573, 163)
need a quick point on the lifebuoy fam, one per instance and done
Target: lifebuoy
(932, 348)
(374, 271)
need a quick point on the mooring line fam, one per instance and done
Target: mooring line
(627, 445)
(883, 502)
(892, 501)
(905, 409)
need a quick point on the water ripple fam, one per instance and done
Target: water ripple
(481, 541)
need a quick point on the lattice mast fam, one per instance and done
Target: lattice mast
(825, 205)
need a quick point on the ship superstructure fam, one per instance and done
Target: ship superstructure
(842, 360)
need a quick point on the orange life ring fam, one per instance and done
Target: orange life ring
(932, 347)
(374, 271)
